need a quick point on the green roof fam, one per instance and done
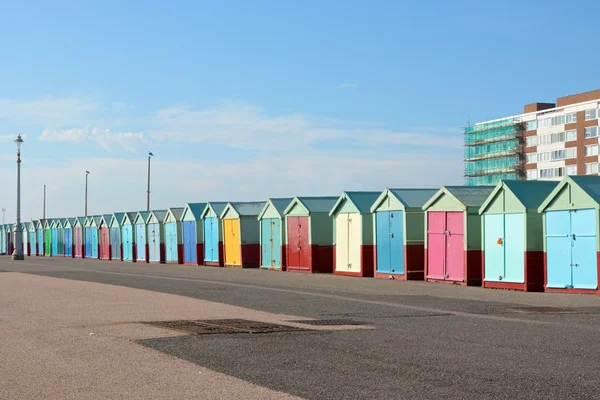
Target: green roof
(531, 193)
(248, 209)
(177, 212)
(159, 214)
(314, 204)
(197, 209)
(589, 184)
(119, 217)
(471, 196)
(413, 198)
(279, 204)
(361, 200)
(144, 215)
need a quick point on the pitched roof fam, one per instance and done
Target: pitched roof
(471, 196)
(589, 184)
(119, 217)
(413, 198)
(143, 214)
(248, 209)
(279, 204)
(218, 206)
(531, 193)
(177, 212)
(130, 215)
(196, 209)
(159, 214)
(361, 200)
(314, 204)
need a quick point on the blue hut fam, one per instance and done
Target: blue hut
(174, 236)
(68, 236)
(128, 236)
(39, 229)
(141, 236)
(212, 233)
(156, 236)
(193, 241)
(32, 238)
(272, 234)
(116, 244)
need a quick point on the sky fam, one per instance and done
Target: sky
(247, 100)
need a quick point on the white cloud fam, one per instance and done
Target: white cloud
(348, 86)
(132, 142)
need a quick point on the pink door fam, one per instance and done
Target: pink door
(436, 244)
(455, 242)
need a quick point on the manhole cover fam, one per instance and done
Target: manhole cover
(546, 309)
(220, 326)
(329, 322)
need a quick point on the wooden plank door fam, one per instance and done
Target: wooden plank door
(493, 251)
(354, 242)
(383, 238)
(455, 247)
(558, 249)
(341, 242)
(140, 242)
(584, 264)
(231, 235)
(436, 244)
(514, 248)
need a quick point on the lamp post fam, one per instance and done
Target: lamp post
(3, 211)
(18, 232)
(86, 184)
(148, 191)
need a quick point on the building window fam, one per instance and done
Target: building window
(549, 173)
(591, 114)
(591, 169)
(591, 132)
(571, 169)
(531, 125)
(571, 135)
(532, 174)
(531, 158)
(531, 141)
(591, 150)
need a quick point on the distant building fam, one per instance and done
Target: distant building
(547, 142)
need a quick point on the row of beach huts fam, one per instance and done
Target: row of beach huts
(521, 235)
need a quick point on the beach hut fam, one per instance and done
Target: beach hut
(91, 236)
(141, 236)
(174, 236)
(68, 236)
(8, 237)
(400, 233)
(272, 234)
(58, 238)
(309, 234)
(241, 234)
(453, 240)
(570, 214)
(156, 236)
(40, 237)
(128, 236)
(513, 256)
(24, 237)
(79, 237)
(48, 237)
(193, 241)
(353, 234)
(104, 237)
(32, 239)
(2, 239)
(116, 245)
(212, 232)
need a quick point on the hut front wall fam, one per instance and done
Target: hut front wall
(368, 222)
(321, 229)
(473, 231)
(414, 227)
(271, 212)
(445, 203)
(298, 210)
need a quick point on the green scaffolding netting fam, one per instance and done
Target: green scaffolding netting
(492, 131)
(501, 164)
(492, 149)
(489, 179)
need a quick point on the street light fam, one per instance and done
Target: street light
(86, 184)
(148, 192)
(18, 232)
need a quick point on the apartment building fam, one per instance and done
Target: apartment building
(546, 142)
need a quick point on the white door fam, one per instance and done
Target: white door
(354, 242)
(341, 242)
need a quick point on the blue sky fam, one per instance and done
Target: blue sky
(245, 100)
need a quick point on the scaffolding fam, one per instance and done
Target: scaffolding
(494, 151)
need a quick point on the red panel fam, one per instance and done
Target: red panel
(367, 260)
(298, 254)
(473, 267)
(321, 258)
(283, 257)
(104, 245)
(250, 255)
(414, 262)
(534, 271)
(180, 253)
(28, 249)
(163, 253)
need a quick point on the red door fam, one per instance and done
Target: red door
(298, 244)
(436, 244)
(104, 244)
(455, 266)
(78, 241)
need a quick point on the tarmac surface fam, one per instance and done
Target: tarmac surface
(73, 329)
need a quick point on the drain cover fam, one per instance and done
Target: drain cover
(220, 326)
(329, 322)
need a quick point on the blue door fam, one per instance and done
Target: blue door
(127, 243)
(94, 241)
(68, 242)
(32, 242)
(154, 242)
(40, 241)
(88, 242)
(571, 249)
(514, 248)
(493, 249)
(140, 242)
(54, 234)
(271, 242)
(390, 241)
(115, 243)
(584, 254)
(211, 240)
(171, 241)
(189, 242)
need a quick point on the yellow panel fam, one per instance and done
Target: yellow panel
(231, 235)
(354, 241)
(341, 242)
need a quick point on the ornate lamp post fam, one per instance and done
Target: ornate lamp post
(18, 233)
